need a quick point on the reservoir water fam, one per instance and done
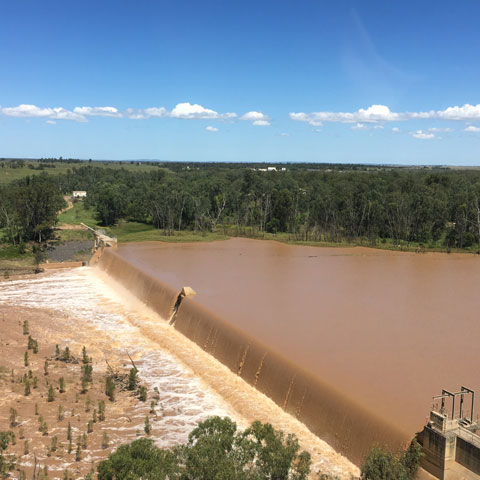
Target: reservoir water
(388, 330)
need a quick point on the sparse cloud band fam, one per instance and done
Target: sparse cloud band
(184, 110)
(383, 114)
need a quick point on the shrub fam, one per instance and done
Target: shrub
(13, 418)
(132, 379)
(110, 388)
(105, 440)
(101, 410)
(51, 394)
(66, 354)
(381, 464)
(147, 426)
(142, 394)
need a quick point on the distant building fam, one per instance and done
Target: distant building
(79, 194)
(270, 169)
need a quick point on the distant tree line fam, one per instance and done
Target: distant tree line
(311, 204)
(330, 203)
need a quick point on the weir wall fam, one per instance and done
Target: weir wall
(336, 418)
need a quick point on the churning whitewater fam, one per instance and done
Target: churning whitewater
(192, 384)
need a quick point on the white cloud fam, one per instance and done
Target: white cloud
(440, 130)
(472, 128)
(189, 111)
(184, 110)
(422, 135)
(466, 112)
(395, 129)
(303, 117)
(211, 129)
(258, 119)
(29, 111)
(360, 126)
(253, 116)
(136, 114)
(382, 114)
(284, 134)
(97, 111)
(378, 127)
(160, 112)
(373, 114)
(51, 122)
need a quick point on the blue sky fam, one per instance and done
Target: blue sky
(327, 81)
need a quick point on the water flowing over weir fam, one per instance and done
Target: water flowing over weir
(85, 306)
(347, 426)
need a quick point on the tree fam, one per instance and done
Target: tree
(110, 388)
(6, 464)
(384, 465)
(138, 460)
(215, 450)
(51, 394)
(111, 202)
(32, 205)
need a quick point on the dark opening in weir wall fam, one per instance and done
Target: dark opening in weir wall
(347, 426)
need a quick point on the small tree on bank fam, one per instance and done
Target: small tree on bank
(384, 465)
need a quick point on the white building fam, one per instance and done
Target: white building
(79, 194)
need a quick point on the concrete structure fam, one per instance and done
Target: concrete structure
(79, 194)
(101, 239)
(450, 442)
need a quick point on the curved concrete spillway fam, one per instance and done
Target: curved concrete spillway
(345, 424)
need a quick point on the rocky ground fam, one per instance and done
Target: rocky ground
(70, 251)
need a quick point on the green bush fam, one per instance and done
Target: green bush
(384, 465)
(215, 450)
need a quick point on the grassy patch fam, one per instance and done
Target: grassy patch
(11, 252)
(9, 174)
(140, 232)
(73, 235)
(77, 215)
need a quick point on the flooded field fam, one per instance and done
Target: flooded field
(388, 330)
(85, 307)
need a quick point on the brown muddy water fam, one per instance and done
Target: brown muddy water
(354, 342)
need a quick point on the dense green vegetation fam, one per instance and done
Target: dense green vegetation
(435, 208)
(28, 209)
(384, 465)
(215, 450)
(16, 169)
